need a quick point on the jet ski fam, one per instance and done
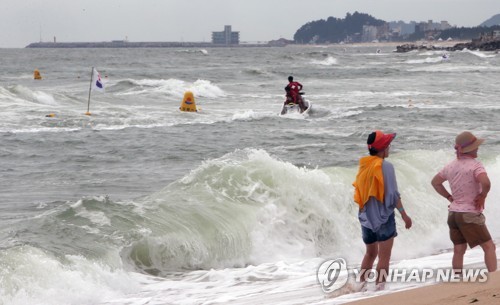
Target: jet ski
(289, 106)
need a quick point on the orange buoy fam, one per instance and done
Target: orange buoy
(36, 74)
(188, 103)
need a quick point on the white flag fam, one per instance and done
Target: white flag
(97, 83)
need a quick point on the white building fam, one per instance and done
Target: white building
(226, 37)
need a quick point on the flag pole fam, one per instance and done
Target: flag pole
(90, 90)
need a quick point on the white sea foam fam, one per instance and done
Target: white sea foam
(174, 87)
(98, 217)
(452, 68)
(478, 53)
(329, 61)
(430, 53)
(425, 61)
(31, 276)
(247, 115)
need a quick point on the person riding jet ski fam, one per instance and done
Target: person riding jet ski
(293, 93)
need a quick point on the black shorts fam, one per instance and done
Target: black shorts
(385, 232)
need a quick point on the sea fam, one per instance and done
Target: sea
(141, 203)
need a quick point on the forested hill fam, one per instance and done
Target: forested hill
(495, 20)
(334, 30)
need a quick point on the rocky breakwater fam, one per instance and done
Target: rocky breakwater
(492, 45)
(482, 45)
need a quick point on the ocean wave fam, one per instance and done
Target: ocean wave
(194, 51)
(250, 115)
(425, 61)
(246, 208)
(172, 87)
(30, 275)
(255, 71)
(454, 68)
(329, 61)
(19, 92)
(478, 53)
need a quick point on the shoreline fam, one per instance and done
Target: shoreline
(158, 44)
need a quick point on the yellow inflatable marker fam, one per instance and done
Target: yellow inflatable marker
(188, 103)
(36, 74)
(50, 115)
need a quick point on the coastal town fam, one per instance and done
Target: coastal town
(354, 28)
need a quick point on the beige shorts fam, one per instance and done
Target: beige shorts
(468, 228)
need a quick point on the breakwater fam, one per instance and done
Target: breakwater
(490, 45)
(126, 44)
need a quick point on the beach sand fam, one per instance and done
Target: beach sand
(443, 294)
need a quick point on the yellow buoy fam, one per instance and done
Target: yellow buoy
(36, 74)
(50, 115)
(188, 103)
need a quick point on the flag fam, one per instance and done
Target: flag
(97, 83)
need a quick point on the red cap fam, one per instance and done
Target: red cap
(382, 141)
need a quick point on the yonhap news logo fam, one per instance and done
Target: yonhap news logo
(332, 274)
(329, 274)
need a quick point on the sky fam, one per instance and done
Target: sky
(26, 21)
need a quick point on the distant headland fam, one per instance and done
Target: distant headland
(361, 27)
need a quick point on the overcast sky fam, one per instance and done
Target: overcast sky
(26, 21)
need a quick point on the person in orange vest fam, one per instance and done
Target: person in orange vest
(376, 193)
(293, 93)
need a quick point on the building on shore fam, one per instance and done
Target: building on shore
(226, 37)
(488, 37)
(431, 26)
(376, 33)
